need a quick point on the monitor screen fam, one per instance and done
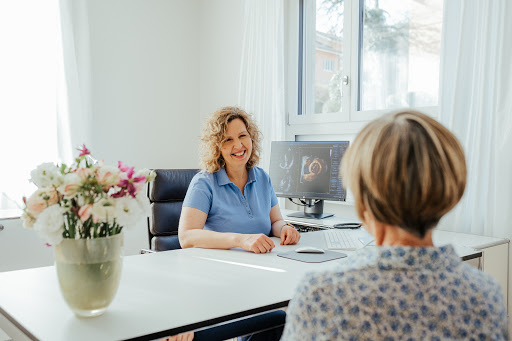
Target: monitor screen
(307, 170)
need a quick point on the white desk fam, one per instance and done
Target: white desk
(160, 294)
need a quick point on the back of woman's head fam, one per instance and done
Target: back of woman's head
(214, 134)
(405, 169)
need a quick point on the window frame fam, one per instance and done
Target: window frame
(349, 118)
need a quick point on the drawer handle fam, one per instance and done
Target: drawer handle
(1, 227)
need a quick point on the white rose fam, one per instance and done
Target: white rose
(80, 200)
(50, 224)
(46, 175)
(127, 211)
(104, 210)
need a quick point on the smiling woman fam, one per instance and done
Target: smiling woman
(232, 203)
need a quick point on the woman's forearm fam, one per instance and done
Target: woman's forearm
(278, 226)
(208, 239)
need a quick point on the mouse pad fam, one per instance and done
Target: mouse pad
(312, 257)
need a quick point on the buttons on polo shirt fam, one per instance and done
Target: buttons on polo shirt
(243, 199)
(246, 205)
(244, 202)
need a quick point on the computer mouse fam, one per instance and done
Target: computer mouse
(309, 249)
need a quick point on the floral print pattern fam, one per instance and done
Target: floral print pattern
(398, 293)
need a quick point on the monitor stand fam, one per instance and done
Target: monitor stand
(312, 210)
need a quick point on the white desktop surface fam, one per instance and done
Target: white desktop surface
(441, 237)
(160, 292)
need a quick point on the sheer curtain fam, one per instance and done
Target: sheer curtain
(476, 104)
(73, 95)
(262, 70)
(42, 112)
(29, 40)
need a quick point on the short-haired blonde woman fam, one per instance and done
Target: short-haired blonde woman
(231, 203)
(406, 171)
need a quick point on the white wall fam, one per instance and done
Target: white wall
(158, 68)
(145, 81)
(221, 50)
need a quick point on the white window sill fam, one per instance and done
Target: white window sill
(10, 214)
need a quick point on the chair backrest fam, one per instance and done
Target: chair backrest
(166, 194)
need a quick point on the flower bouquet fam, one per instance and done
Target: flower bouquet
(81, 209)
(85, 200)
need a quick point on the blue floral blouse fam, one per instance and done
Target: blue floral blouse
(398, 293)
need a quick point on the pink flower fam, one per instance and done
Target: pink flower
(71, 190)
(123, 167)
(40, 200)
(85, 212)
(129, 184)
(107, 176)
(84, 173)
(83, 151)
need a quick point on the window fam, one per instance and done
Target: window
(360, 58)
(28, 64)
(329, 65)
(399, 54)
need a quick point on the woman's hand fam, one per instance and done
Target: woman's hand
(180, 337)
(257, 243)
(289, 235)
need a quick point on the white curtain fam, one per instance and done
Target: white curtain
(476, 104)
(30, 42)
(73, 99)
(262, 70)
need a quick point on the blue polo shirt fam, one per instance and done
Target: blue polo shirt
(228, 209)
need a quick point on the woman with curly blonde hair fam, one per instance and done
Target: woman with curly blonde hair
(232, 203)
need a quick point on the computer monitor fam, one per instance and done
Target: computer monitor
(308, 171)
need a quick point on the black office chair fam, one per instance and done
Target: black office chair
(166, 194)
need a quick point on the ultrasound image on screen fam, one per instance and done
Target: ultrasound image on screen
(286, 170)
(315, 170)
(286, 164)
(307, 169)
